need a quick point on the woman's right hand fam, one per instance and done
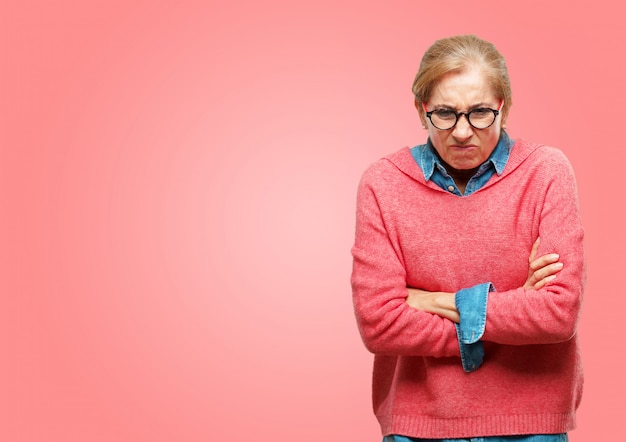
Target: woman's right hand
(541, 270)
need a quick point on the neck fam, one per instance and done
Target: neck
(460, 176)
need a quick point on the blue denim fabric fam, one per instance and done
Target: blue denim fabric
(525, 438)
(433, 169)
(472, 306)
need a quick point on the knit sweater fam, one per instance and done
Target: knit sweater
(410, 232)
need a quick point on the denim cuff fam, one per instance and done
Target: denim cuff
(472, 306)
(471, 354)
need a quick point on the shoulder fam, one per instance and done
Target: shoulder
(398, 165)
(543, 169)
(529, 155)
(547, 153)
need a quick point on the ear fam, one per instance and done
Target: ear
(420, 111)
(504, 116)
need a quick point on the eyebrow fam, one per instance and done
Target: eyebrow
(474, 106)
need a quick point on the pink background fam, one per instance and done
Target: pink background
(177, 191)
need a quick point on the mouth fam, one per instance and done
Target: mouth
(463, 146)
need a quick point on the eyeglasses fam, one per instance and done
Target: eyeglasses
(479, 118)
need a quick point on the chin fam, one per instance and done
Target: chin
(465, 165)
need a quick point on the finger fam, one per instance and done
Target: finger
(546, 271)
(543, 261)
(544, 281)
(533, 250)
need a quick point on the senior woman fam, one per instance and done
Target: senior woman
(468, 267)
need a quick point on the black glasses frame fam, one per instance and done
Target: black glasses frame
(496, 112)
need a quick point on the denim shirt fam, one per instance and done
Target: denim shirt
(433, 169)
(470, 302)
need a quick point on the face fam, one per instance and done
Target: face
(464, 147)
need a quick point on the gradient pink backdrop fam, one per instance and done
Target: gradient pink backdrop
(177, 190)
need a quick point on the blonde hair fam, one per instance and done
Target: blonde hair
(456, 54)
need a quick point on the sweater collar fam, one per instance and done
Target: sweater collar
(405, 162)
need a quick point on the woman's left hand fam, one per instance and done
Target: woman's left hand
(438, 303)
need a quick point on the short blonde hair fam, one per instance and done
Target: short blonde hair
(456, 54)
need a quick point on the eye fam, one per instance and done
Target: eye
(445, 114)
(482, 112)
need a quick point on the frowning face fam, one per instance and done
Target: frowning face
(464, 147)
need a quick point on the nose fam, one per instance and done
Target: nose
(462, 130)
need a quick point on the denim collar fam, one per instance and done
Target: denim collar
(429, 157)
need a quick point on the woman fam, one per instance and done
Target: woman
(473, 335)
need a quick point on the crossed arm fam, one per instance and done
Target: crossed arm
(541, 271)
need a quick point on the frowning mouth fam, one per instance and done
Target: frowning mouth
(463, 146)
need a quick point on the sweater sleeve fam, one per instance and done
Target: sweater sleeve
(387, 324)
(549, 315)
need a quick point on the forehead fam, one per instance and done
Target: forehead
(464, 88)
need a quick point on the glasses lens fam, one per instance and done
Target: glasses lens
(443, 119)
(482, 118)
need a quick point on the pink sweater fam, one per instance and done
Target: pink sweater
(410, 232)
